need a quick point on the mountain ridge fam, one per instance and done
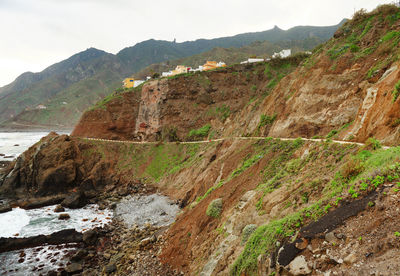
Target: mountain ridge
(94, 73)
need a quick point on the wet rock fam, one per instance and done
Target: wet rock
(39, 202)
(4, 209)
(60, 237)
(90, 237)
(110, 268)
(299, 266)
(74, 268)
(59, 209)
(75, 201)
(79, 255)
(350, 259)
(64, 216)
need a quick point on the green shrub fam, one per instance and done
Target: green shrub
(247, 231)
(390, 35)
(354, 48)
(266, 120)
(396, 91)
(372, 144)
(331, 133)
(395, 122)
(200, 132)
(352, 168)
(214, 209)
(223, 112)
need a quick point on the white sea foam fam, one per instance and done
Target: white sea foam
(27, 223)
(12, 222)
(37, 260)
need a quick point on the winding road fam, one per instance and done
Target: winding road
(228, 138)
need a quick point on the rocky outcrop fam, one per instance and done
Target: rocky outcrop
(53, 167)
(61, 237)
(115, 119)
(148, 121)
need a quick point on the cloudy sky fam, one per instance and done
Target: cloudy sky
(37, 33)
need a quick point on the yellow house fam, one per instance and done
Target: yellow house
(180, 69)
(209, 65)
(128, 82)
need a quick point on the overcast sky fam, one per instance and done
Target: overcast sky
(37, 33)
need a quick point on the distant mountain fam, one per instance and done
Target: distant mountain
(58, 95)
(156, 51)
(232, 55)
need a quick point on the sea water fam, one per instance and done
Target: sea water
(12, 144)
(44, 221)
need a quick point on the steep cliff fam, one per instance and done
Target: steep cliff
(346, 88)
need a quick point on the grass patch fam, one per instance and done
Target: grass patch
(200, 132)
(396, 91)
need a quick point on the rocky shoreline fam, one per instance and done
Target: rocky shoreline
(112, 250)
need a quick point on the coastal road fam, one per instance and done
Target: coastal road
(228, 138)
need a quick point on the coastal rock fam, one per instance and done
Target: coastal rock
(110, 268)
(64, 216)
(38, 202)
(60, 237)
(74, 268)
(75, 201)
(4, 209)
(90, 237)
(59, 209)
(79, 255)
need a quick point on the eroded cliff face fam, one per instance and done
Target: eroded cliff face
(56, 165)
(113, 118)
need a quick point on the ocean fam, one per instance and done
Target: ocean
(13, 144)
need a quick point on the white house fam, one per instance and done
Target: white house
(221, 64)
(282, 54)
(252, 60)
(166, 74)
(138, 82)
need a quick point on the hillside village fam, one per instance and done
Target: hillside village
(209, 65)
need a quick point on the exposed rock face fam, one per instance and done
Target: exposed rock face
(55, 165)
(116, 120)
(148, 120)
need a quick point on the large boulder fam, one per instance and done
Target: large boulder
(75, 201)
